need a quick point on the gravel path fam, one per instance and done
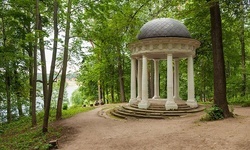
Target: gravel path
(90, 131)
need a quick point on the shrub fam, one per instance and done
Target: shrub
(213, 113)
(65, 106)
(246, 103)
(243, 101)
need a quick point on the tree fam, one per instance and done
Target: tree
(218, 59)
(77, 98)
(15, 25)
(65, 60)
(35, 64)
(243, 50)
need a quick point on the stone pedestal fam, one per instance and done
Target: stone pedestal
(171, 105)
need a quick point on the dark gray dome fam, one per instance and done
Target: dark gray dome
(163, 27)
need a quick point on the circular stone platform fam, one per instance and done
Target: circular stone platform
(156, 110)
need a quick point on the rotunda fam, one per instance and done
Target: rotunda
(162, 39)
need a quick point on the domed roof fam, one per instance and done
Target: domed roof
(163, 27)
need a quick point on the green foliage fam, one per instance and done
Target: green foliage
(56, 87)
(20, 135)
(77, 97)
(65, 106)
(213, 113)
(75, 110)
(239, 100)
(110, 25)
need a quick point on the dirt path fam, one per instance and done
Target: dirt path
(89, 131)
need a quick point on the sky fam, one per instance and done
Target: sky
(70, 68)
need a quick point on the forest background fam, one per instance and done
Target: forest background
(28, 29)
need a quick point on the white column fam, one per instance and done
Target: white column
(139, 79)
(191, 99)
(170, 104)
(176, 80)
(133, 83)
(156, 79)
(144, 104)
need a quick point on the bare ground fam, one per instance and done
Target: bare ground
(94, 131)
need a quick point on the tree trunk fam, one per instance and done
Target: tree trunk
(52, 68)
(43, 62)
(218, 60)
(35, 67)
(19, 106)
(7, 77)
(112, 94)
(112, 85)
(17, 92)
(105, 98)
(7, 83)
(30, 53)
(243, 53)
(121, 80)
(117, 92)
(103, 94)
(30, 76)
(99, 92)
(65, 60)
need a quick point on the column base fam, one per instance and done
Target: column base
(171, 105)
(156, 97)
(192, 103)
(138, 99)
(133, 101)
(144, 105)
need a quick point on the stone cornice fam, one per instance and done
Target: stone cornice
(179, 47)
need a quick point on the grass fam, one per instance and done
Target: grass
(20, 135)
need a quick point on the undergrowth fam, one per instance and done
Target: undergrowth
(213, 113)
(242, 101)
(20, 135)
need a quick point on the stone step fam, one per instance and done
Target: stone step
(122, 113)
(148, 113)
(162, 107)
(127, 111)
(112, 112)
(200, 108)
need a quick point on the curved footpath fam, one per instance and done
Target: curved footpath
(91, 131)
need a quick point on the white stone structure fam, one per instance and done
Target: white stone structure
(162, 39)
